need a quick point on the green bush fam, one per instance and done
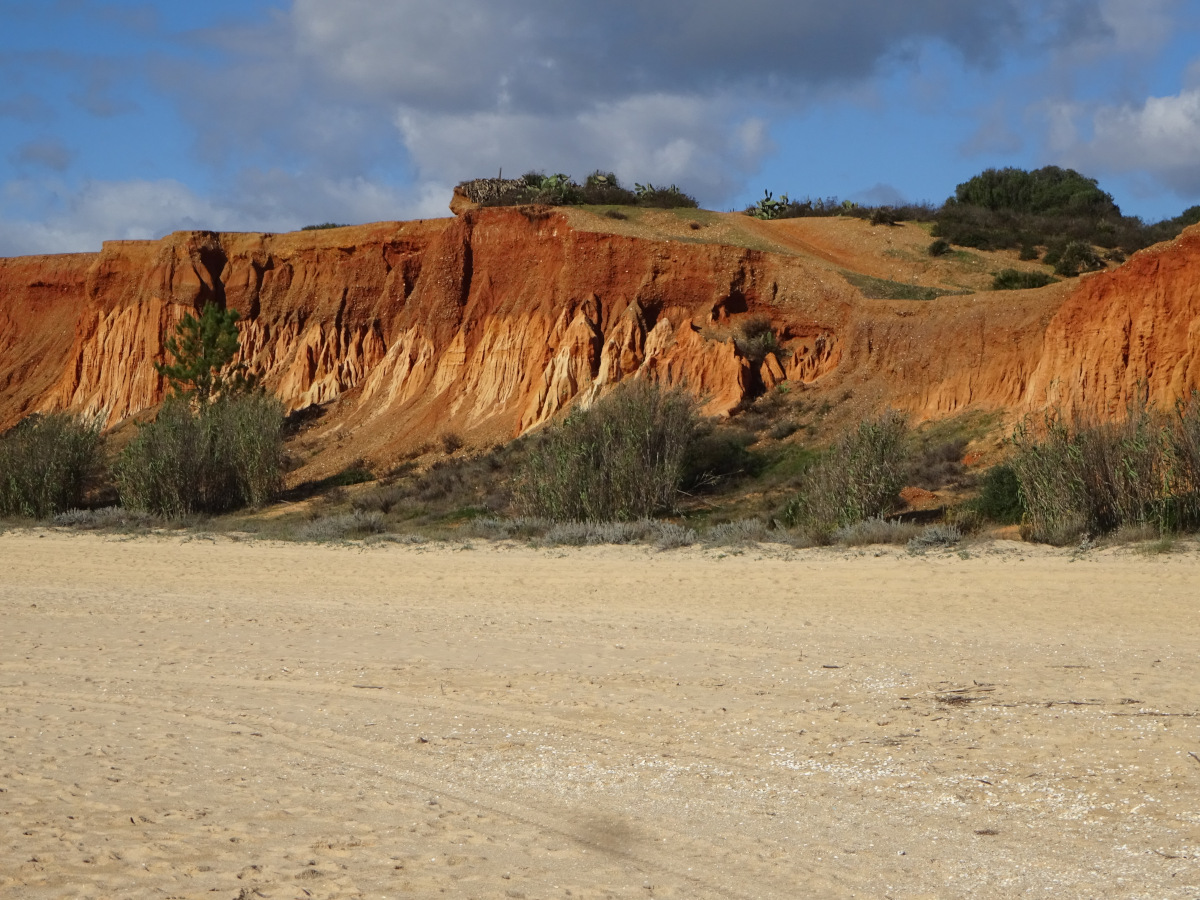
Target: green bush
(227, 455)
(755, 338)
(1000, 499)
(858, 479)
(1014, 280)
(1048, 190)
(1012, 208)
(1075, 257)
(940, 247)
(884, 215)
(45, 464)
(622, 459)
(717, 454)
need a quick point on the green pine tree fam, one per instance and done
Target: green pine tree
(203, 350)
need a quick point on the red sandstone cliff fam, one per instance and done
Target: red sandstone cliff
(490, 323)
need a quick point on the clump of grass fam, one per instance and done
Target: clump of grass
(859, 478)
(45, 464)
(1015, 280)
(585, 534)
(883, 289)
(672, 536)
(755, 338)
(875, 530)
(736, 533)
(356, 524)
(622, 459)
(1080, 479)
(108, 518)
(934, 536)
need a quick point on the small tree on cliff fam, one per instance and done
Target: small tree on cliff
(203, 349)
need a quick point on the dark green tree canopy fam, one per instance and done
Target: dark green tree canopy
(203, 350)
(1046, 191)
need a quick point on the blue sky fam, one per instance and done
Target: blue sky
(131, 119)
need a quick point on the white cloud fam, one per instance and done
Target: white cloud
(97, 211)
(698, 143)
(1159, 137)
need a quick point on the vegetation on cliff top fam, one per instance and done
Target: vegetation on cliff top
(1058, 209)
(598, 189)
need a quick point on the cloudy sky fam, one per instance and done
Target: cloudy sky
(134, 118)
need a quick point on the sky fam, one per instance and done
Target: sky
(129, 119)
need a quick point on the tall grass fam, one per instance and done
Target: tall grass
(1086, 478)
(45, 463)
(225, 456)
(623, 459)
(858, 479)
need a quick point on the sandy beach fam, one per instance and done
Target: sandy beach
(214, 718)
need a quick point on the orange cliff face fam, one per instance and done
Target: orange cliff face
(491, 323)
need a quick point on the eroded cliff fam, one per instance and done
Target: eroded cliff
(490, 323)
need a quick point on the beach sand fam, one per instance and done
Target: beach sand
(219, 718)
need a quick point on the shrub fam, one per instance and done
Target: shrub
(622, 459)
(875, 531)
(663, 197)
(105, 518)
(755, 338)
(935, 536)
(583, 534)
(858, 479)
(1028, 252)
(884, 215)
(1000, 499)
(225, 456)
(356, 524)
(934, 464)
(45, 463)
(1076, 257)
(716, 454)
(672, 536)
(1046, 190)
(1015, 280)
(940, 247)
(737, 533)
(323, 226)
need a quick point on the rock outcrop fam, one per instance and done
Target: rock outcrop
(491, 323)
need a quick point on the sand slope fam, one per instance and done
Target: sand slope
(194, 718)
